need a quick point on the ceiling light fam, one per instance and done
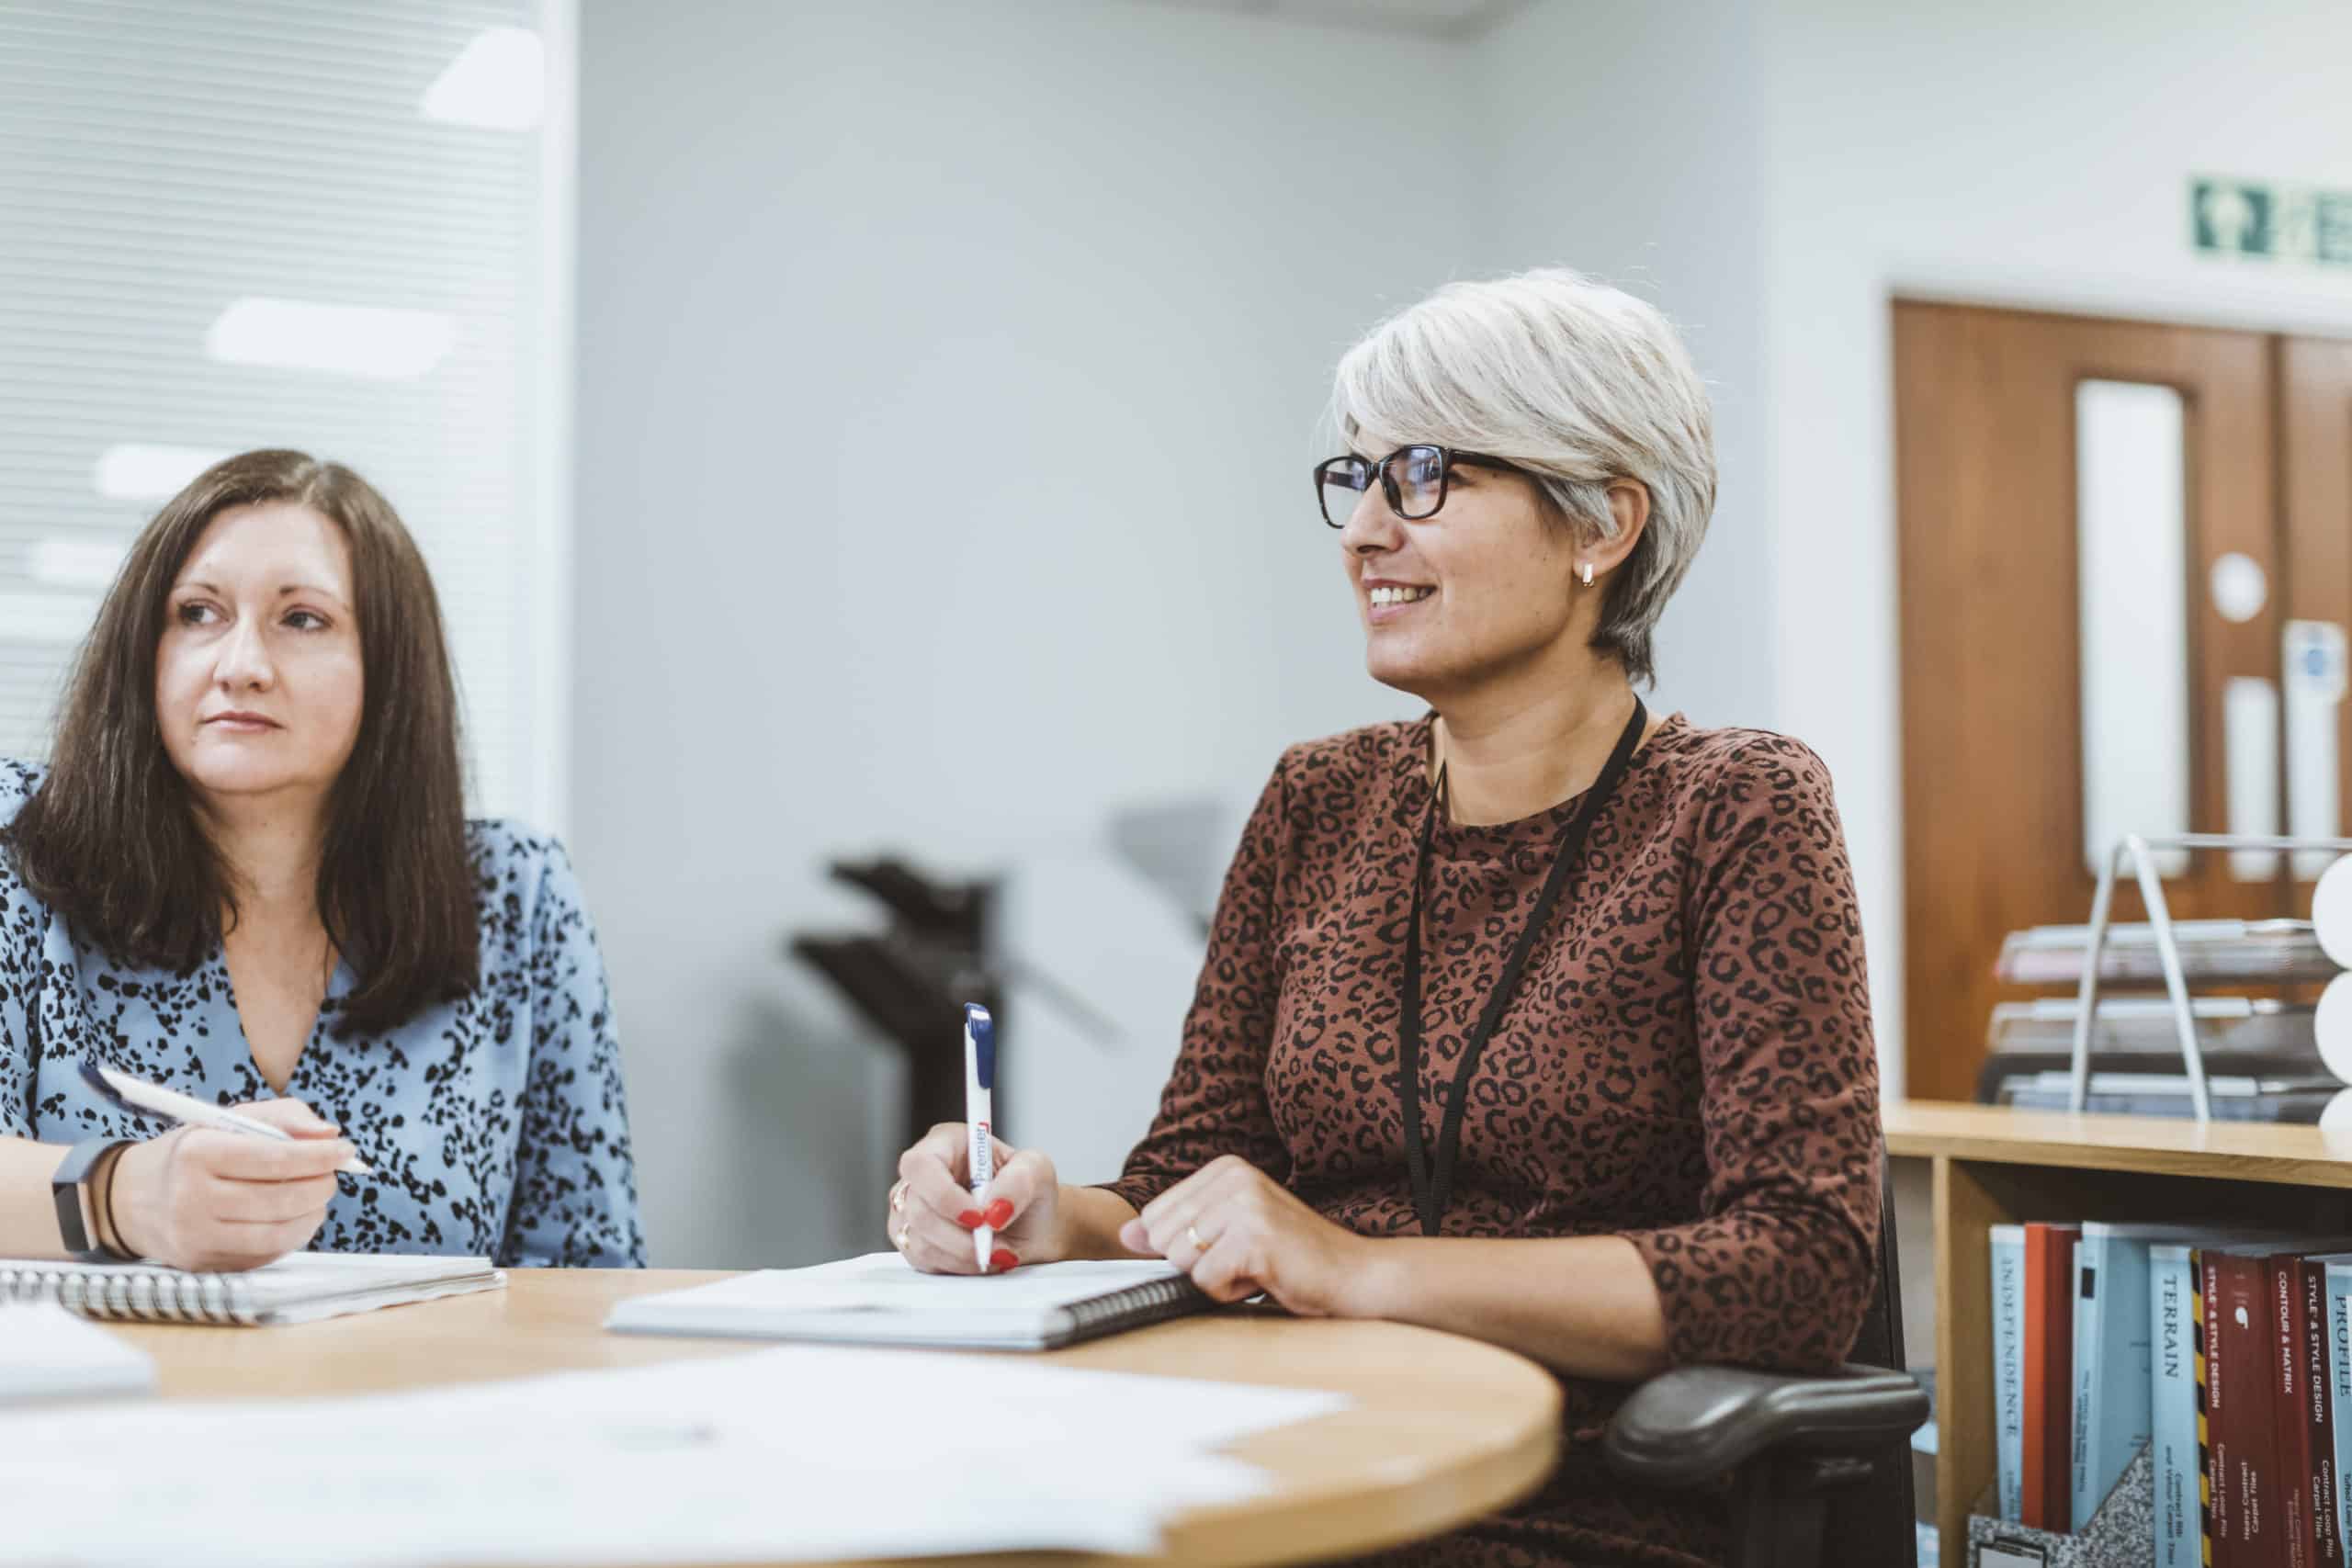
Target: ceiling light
(46, 617)
(77, 563)
(498, 82)
(355, 340)
(134, 472)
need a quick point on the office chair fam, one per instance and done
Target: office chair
(1820, 1467)
(911, 981)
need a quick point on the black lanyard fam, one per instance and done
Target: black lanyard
(1431, 1191)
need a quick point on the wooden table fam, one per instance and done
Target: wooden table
(1993, 1166)
(1444, 1429)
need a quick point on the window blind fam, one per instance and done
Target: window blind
(289, 223)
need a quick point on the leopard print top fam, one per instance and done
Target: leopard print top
(1688, 1062)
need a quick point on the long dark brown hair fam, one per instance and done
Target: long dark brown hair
(111, 840)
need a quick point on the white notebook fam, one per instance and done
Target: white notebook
(880, 1300)
(48, 1353)
(298, 1288)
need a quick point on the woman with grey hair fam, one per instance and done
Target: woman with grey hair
(1535, 1018)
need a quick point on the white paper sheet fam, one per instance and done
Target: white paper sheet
(48, 1353)
(797, 1453)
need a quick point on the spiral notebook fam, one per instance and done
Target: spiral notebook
(300, 1288)
(880, 1300)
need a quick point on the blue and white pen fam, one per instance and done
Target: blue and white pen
(144, 1099)
(979, 1085)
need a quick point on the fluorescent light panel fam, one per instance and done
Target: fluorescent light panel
(351, 340)
(134, 472)
(498, 82)
(82, 563)
(45, 617)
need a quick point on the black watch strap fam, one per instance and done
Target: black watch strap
(78, 1204)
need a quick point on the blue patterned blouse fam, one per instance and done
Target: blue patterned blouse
(495, 1123)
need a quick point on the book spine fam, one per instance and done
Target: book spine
(2009, 1368)
(2034, 1481)
(2114, 1350)
(2291, 1426)
(2326, 1542)
(2212, 1449)
(2058, 1320)
(2049, 1376)
(2246, 1442)
(2084, 1430)
(2339, 1364)
(2172, 1404)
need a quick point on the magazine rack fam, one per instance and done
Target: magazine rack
(2121, 1534)
(2142, 854)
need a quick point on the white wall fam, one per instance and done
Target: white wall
(1618, 140)
(894, 317)
(949, 379)
(2008, 151)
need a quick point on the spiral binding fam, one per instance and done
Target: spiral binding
(145, 1295)
(1136, 1306)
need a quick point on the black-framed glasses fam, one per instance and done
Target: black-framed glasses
(1415, 479)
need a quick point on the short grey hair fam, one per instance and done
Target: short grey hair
(1581, 383)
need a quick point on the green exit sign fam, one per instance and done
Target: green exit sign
(2253, 218)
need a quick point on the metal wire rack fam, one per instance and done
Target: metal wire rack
(2141, 850)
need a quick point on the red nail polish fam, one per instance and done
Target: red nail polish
(1001, 1260)
(970, 1219)
(1000, 1215)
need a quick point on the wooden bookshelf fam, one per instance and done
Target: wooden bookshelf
(1996, 1167)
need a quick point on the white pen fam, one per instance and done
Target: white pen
(153, 1099)
(979, 1082)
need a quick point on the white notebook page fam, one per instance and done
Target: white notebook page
(885, 1281)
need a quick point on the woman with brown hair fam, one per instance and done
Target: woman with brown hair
(1537, 1018)
(247, 875)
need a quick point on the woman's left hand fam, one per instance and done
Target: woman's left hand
(1237, 1232)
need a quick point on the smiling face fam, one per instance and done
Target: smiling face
(259, 679)
(1482, 590)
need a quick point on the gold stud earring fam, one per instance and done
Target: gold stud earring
(1587, 574)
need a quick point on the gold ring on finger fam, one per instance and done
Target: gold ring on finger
(1195, 1237)
(899, 1240)
(898, 1199)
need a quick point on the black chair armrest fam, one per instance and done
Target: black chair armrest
(1691, 1425)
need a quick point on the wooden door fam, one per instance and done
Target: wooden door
(1991, 609)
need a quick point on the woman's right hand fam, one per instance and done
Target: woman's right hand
(932, 1211)
(199, 1197)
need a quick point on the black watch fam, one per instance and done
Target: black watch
(77, 1212)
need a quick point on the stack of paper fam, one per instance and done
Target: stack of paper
(2277, 951)
(786, 1455)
